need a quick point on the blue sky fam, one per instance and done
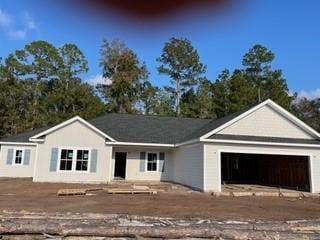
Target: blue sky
(289, 28)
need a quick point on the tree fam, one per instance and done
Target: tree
(276, 88)
(38, 61)
(204, 96)
(181, 61)
(308, 111)
(220, 94)
(164, 104)
(258, 62)
(148, 97)
(189, 104)
(241, 92)
(74, 63)
(122, 66)
(39, 85)
(64, 102)
(232, 93)
(198, 103)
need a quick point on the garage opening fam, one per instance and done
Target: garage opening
(283, 171)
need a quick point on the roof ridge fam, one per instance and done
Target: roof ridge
(150, 115)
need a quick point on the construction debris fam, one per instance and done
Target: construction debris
(100, 226)
(131, 191)
(71, 192)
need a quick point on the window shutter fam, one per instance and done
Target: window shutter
(10, 156)
(54, 159)
(94, 160)
(142, 161)
(161, 161)
(26, 159)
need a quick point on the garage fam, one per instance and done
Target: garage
(284, 171)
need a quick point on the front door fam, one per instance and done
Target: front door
(120, 165)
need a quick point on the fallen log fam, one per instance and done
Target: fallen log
(113, 225)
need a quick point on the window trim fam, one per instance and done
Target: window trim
(152, 171)
(74, 159)
(14, 157)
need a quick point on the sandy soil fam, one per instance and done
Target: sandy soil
(22, 194)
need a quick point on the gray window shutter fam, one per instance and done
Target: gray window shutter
(142, 161)
(94, 160)
(161, 161)
(54, 159)
(10, 156)
(26, 159)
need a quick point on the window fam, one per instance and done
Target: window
(152, 162)
(82, 160)
(66, 158)
(18, 157)
(74, 159)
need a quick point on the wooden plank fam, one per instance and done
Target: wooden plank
(71, 192)
(130, 191)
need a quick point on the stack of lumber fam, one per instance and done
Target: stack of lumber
(70, 192)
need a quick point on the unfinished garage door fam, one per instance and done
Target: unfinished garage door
(272, 170)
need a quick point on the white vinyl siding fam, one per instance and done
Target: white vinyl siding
(133, 172)
(188, 166)
(268, 123)
(14, 170)
(76, 136)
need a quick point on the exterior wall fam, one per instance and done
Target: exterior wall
(133, 164)
(74, 135)
(16, 170)
(266, 122)
(188, 166)
(212, 161)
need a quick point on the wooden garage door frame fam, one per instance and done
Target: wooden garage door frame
(266, 153)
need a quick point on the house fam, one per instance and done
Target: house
(264, 144)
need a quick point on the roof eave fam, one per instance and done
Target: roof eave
(259, 143)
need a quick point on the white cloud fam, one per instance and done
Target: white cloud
(17, 34)
(25, 23)
(98, 79)
(5, 19)
(311, 94)
(29, 21)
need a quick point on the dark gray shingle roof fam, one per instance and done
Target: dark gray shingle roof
(147, 129)
(134, 128)
(23, 137)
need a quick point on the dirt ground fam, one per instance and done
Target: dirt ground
(23, 194)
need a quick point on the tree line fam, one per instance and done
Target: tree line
(41, 84)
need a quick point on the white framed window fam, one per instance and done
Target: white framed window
(152, 162)
(66, 159)
(73, 159)
(18, 157)
(82, 160)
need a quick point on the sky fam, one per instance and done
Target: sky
(288, 28)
